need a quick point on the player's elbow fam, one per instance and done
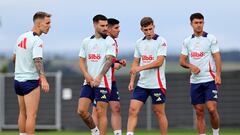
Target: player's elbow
(182, 62)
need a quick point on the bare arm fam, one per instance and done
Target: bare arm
(133, 75)
(218, 62)
(107, 65)
(40, 69)
(39, 66)
(14, 58)
(84, 71)
(155, 64)
(184, 63)
(105, 69)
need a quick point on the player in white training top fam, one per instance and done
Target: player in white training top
(200, 53)
(96, 54)
(29, 72)
(114, 101)
(149, 60)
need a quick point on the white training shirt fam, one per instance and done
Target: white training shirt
(95, 50)
(148, 51)
(199, 51)
(28, 47)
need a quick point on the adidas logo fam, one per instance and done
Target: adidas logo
(103, 97)
(158, 99)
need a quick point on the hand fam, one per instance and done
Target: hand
(117, 66)
(44, 83)
(218, 80)
(97, 81)
(123, 62)
(89, 79)
(135, 70)
(131, 86)
(194, 69)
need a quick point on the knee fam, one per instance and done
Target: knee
(212, 111)
(159, 113)
(32, 115)
(116, 109)
(82, 113)
(200, 113)
(133, 111)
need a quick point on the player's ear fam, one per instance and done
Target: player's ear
(95, 25)
(142, 29)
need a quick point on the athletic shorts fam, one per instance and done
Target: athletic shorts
(141, 94)
(203, 92)
(98, 94)
(24, 88)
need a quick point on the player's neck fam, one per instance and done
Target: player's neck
(97, 35)
(111, 35)
(198, 34)
(36, 30)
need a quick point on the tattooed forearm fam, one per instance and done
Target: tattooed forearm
(107, 65)
(39, 65)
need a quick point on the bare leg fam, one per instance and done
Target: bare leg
(134, 109)
(159, 110)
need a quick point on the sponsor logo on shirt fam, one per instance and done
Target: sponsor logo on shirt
(147, 59)
(197, 55)
(94, 57)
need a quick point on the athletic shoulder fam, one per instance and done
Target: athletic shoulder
(212, 38)
(187, 40)
(162, 41)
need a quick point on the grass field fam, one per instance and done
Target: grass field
(171, 132)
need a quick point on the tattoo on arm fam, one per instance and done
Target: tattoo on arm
(107, 65)
(39, 65)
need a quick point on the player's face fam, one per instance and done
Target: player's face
(101, 27)
(197, 25)
(114, 30)
(148, 31)
(45, 25)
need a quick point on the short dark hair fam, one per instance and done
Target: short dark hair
(40, 15)
(112, 21)
(146, 21)
(196, 16)
(99, 17)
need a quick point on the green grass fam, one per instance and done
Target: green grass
(142, 132)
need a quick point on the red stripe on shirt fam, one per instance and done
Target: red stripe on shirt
(210, 70)
(160, 83)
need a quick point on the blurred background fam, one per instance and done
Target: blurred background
(72, 22)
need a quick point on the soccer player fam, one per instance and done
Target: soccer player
(29, 72)
(200, 53)
(96, 54)
(114, 101)
(149, 60)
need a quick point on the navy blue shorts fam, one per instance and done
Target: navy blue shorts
(114, 96)
(98, 94)
(141, 94)
(24, 88)
(203, 92)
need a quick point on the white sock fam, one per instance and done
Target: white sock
(22, 133)
(215, 131)
(202, 134)
(95, 131)
(130, 133)
(117, 132)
